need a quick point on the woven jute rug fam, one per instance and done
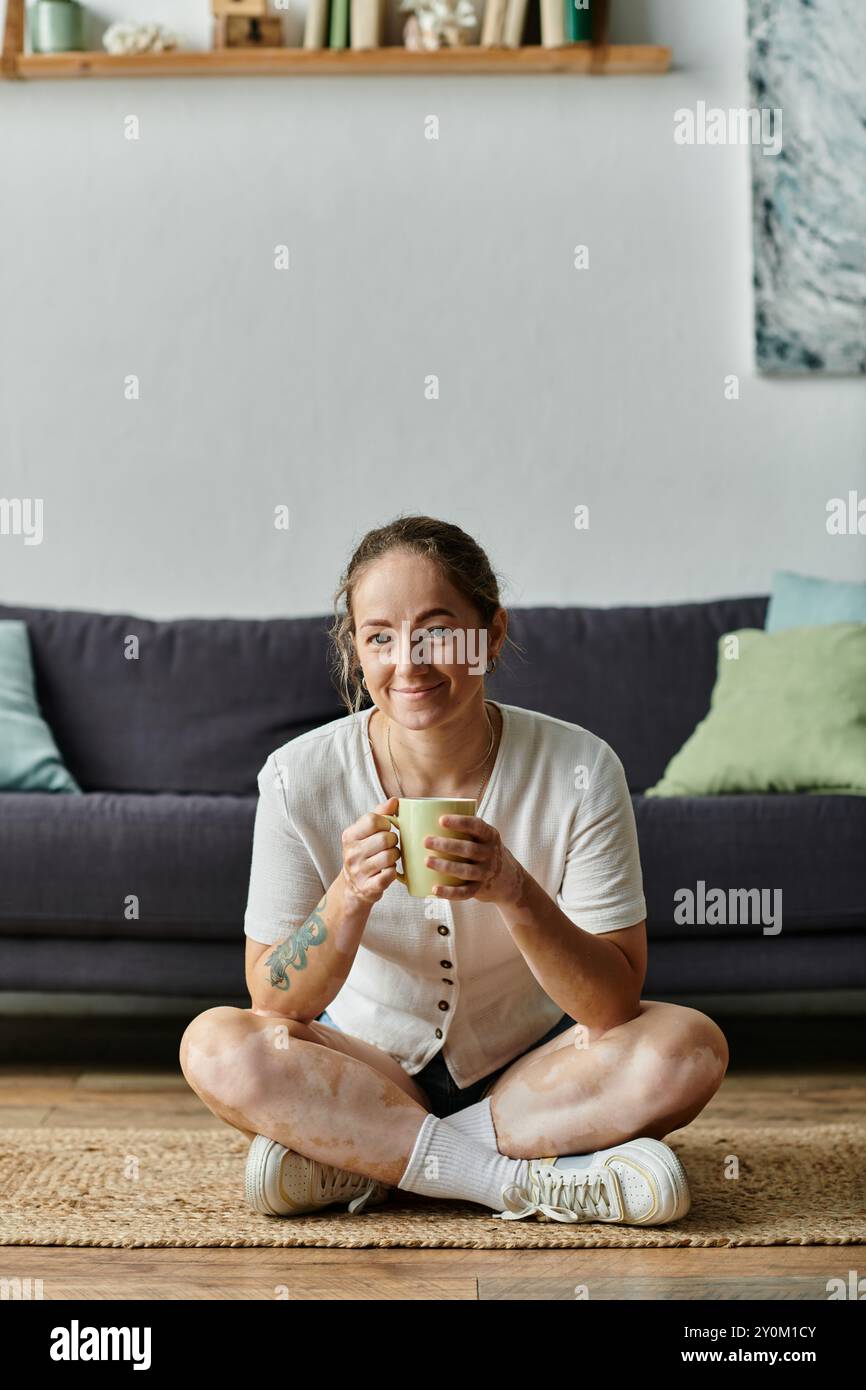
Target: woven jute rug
(166, 1187)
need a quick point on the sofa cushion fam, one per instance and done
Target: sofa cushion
(787, 714)
(70, 864)
(799, 600)
(200, 709)
(641, 678)
(809, 847)
(29, 760)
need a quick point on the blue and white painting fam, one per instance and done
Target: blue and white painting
(807, 59)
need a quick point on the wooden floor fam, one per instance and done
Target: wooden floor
(157, 1097)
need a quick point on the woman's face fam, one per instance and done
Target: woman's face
(419, 642)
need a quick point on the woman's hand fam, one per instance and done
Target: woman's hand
(370, 853)
(492, 875)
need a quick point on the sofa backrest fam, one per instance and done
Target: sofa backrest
(200, 709)
(207, 699)
(641, 678)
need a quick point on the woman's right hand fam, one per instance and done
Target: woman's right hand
(370, 853)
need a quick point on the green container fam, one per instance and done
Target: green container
(56, 26)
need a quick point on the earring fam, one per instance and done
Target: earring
(364, 683)
(491, 665)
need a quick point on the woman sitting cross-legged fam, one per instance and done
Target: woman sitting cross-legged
(487, 1043)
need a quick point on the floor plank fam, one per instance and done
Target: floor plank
(686, 1274)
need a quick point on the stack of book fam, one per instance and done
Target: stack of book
(345, 24)
(360, 24)
(562, 22)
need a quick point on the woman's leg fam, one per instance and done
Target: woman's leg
(587, 1090)
(311, 1088)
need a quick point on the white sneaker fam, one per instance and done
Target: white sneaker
(638, 1183)
(280, 1182)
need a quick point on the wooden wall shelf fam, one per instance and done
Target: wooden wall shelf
(579, 58)
(597, 57)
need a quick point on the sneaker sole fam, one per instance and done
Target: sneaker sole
(664, 1156)
(260, 1152)
(254, 1175)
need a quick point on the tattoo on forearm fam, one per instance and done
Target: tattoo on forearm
(292, 953)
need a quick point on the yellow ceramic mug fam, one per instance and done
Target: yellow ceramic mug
(416, 818)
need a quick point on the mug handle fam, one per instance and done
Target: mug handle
(396, 824)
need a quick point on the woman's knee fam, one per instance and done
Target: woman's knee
(704, 1044)
(224, 1051)
(686, 1053)
(207, 1038)
(235, 1033)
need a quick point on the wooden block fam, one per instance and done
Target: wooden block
(13, 36)
(253, 9)
(236, 31)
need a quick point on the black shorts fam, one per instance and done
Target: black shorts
(442, 1091)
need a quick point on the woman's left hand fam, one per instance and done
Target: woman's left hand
(492, 874)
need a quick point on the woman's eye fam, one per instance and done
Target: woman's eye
(439, 631)
(375, 638)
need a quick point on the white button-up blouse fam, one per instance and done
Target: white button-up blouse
(430, 973)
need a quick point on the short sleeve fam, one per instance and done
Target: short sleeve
(602, 886)
(284, 883)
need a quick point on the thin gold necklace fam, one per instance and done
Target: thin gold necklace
(484, 760)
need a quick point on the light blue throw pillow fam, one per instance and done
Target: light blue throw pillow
(29, 759)
(797, 600)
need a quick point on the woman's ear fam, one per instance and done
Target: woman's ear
(497, 632)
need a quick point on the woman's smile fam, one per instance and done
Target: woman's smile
(417, 692)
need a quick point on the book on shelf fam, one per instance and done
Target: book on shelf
(514, 23)
(493, 24)
(553, 23)
(339, 26)
(367, 23)
(316, 24)
(578, 21)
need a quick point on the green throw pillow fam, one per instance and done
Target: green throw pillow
(787, 715)
(29, 760)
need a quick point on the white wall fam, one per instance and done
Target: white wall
(408, 257)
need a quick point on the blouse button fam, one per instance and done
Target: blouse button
(443, 1004)
(446, 965)
(439, 1032)
(442, 929)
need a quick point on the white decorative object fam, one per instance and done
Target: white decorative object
(438, 24)
(126, 37)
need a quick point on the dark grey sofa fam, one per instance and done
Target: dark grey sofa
(167, 748)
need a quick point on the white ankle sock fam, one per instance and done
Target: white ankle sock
(476, 1122)
(446, 1163)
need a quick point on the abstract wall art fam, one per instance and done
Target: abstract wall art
(807, 60)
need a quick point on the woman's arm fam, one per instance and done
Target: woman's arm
(597, 978)
(299, 976)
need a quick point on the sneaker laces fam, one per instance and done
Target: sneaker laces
(337, 1184)
(558, 1195)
